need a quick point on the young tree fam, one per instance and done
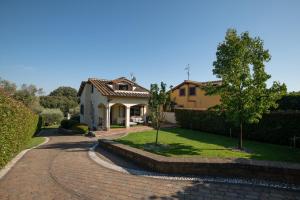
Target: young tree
(244, 94)
(158, 98)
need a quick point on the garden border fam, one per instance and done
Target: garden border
(237, 168)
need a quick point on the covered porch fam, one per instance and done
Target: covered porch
(121, 115)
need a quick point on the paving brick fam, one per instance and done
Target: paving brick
(61, 169)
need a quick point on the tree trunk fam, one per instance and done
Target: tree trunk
(156, 136)
(241, 136)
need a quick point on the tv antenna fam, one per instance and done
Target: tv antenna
(187, 69)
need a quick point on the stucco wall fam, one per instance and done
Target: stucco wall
(91, 102)
(170, 117)
(199, 101)
(98, 99)
(92, 111)
(129, 101)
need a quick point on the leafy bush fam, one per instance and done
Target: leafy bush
(275, 127)
(68, 123)
(80, 128)
(51, 116)
(18, 125)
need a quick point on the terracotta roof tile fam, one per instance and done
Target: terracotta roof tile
(197, 83)
(103, 87)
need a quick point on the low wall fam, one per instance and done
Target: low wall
(242, 168)
(170, 117)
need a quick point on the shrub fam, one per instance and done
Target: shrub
(51, 116)
(18, 125)
(68, 123)
(275, 127)
(75, 118)
(80, 128)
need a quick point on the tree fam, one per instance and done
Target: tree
(64, 98)
(68, 92)
(9, 87)
(158, 98)
(169, 104)
(51, 116)
(28, 94)
(244, 93)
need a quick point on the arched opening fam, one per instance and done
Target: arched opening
(117, 116)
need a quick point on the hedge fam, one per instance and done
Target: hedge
(289, 102)
(80, 128)
(17, 125)
(67, 123)
(275, 127)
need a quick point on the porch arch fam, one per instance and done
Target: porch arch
(118, 115)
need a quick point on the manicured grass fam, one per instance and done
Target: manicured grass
(116, 126)
(182, 142)
(52, 126)
(34, 142)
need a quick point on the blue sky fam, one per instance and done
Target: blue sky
(62, 42)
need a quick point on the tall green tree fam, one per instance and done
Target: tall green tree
(158, 98)
(64, 98)
(240, 63)
(68, 92)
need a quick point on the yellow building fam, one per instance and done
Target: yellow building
(190, 94)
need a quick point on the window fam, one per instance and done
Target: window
(182, 92)
(92, 89)
(192, 91)
(123, 87)
(81, 109)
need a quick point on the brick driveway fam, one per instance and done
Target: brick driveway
(61, 169)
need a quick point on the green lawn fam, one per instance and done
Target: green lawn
(182, 142)
(51, 126)
(116, 126)
(34, 142)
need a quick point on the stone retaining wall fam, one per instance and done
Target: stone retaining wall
(240, 168)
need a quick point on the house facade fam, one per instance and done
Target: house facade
(107, 103)
(191, 95)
